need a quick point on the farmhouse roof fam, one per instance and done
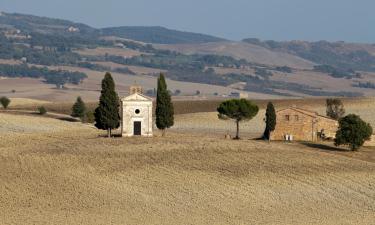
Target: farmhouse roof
(306, 112)
(136, 97)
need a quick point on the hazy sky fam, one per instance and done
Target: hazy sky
(348, 20)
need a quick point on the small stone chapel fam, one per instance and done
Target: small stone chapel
(136, 114)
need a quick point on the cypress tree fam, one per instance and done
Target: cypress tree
(107, 115)
(79, 108)
(164, 106)
(270, 120)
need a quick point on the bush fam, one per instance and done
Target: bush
(89, 117)
(79, 109)
(353, 131)
(4, 101)
(42, 110)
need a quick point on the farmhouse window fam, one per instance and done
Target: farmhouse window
(287, 117)
(296, 117)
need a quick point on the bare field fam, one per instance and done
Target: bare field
(71, 176)
(89, 90)
(241, 50)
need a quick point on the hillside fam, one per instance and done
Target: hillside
(346, 56)
(44, 25)
(240, 50)
(57, 172)
(158, 35)
(60, 55)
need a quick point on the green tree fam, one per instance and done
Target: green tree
(335, 108)
(79, 108)
(353, 131)
(107, 116)
(237, 110)
(42, 110)
(4, 101)
(270, 120)
(164, 106)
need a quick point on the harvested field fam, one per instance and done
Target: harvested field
(71, 176)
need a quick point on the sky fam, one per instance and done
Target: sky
(312, 20)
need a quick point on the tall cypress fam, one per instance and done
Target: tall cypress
(107, 115)
(164, 106)
(270, 120)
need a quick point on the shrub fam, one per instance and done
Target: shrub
(353, 131)
(42, 110)
(79, 108)
(89, 117)
(4, 101)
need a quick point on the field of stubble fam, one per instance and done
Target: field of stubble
(56, 172)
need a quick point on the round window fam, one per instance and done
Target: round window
(137, 111)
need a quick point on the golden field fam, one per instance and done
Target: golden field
(57, 172)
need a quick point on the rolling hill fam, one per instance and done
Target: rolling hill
(158, 35)
(212, 65)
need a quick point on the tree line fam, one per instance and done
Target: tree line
(57, 77)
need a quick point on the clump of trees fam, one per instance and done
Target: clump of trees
(164, 106)
(237, 110)
(79, 109)
(353, 131)
(270, 121)
(107, 115)
(4, 101)
(335, 108)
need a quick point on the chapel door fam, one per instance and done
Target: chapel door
(137, 128)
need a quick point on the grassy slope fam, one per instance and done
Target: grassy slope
(73, 177)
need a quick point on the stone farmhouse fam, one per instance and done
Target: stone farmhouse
(295, 124)
(136, 114)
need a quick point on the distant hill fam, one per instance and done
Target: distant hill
(341, 55)
(241, 50)
(159, 35)
(44, 25)
(296, 68)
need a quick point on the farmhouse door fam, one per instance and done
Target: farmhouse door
(137, 128)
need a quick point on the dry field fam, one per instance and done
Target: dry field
(89, 90)
(240, 50)
(66, 174)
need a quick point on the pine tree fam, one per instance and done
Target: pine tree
(237, 110)
(164, 106)
(79, 108)
(107, 116)
(270, 120)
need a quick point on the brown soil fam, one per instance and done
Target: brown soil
(67, 174)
